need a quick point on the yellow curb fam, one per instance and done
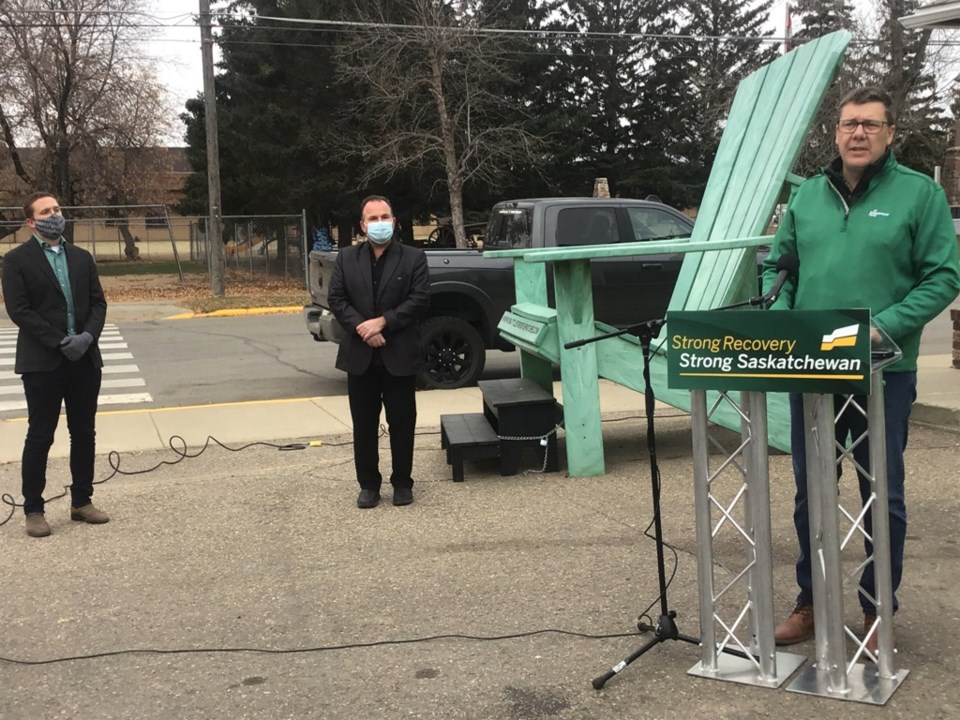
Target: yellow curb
(238, 312)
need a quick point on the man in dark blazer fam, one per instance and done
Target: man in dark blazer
(379, 291)
(52, 294)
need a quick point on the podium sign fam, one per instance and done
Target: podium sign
(806, 351)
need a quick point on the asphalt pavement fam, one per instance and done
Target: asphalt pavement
(242, 582)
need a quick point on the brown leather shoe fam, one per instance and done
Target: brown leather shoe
(37, 525)
(88, 513)
(796, 628)
(872, 641)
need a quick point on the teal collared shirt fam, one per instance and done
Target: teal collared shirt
(57, 258)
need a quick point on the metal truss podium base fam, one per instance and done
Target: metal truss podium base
(739, 670)
(864, 684)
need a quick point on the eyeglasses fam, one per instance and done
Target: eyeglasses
(870, 127)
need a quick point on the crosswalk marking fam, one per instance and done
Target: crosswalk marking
(8, 362)
(124, 399)
(111, 341)
(118, 369)
(107, 370)
(123, 383)
(113, 383)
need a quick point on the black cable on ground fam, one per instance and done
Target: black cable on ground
(179, 446)
(316, 649)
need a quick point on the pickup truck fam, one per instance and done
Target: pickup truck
(469, 293)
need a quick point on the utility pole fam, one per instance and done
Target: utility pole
(214, 225)
(788, 30)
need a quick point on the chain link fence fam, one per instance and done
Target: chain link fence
(270, 246)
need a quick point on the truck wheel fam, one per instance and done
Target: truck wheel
(452, 352)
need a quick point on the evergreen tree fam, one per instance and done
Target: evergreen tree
(279, 98)
(728, 46)
(816, 18)
(899, 64)
(616, 85)
(527, 54)
(821, 17)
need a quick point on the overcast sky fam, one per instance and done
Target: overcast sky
(177, 52)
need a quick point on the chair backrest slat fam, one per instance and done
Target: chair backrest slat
(771, 113)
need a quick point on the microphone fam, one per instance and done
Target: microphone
(787, 266)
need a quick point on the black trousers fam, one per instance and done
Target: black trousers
(368, 393)
(76, 385)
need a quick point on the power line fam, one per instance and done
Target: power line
(253, 22)
(342, 27)
(588, 34)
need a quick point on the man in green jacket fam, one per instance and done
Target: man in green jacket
(868, 232)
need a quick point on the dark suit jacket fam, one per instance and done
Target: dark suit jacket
(404, 298)
(35, 303)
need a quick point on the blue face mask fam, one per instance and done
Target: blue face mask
(380, 231)
(51, 226)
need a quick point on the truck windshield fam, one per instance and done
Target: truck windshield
(652, 223)
(509, 228)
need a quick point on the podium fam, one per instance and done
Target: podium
(734, 358)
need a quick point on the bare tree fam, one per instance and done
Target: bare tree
(432, 94)
(74, 85)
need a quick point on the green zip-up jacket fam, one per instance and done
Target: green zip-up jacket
(891, 248)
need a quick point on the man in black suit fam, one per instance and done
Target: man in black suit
(379, 291)
(52, 293)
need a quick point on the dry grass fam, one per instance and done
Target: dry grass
(242, 290)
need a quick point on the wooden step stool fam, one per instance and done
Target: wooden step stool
(519, 408)
(467, 437)
(513, 408)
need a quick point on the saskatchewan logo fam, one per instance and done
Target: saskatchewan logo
(841, 337)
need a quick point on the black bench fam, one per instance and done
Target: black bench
(467, 437)
(517, 414)
(519, 408)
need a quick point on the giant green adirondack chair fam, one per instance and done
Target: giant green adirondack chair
(770, 116)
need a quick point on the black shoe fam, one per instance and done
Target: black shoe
(402, 496)
(368, 498)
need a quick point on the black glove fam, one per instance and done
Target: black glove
(75, 347)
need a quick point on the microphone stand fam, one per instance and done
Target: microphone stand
(666, 627)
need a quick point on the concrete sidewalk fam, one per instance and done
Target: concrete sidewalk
(937, 405)
(310, 419)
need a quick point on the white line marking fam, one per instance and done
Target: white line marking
(125, 399)
(118, 369)
(123, 382)
(106, 356)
